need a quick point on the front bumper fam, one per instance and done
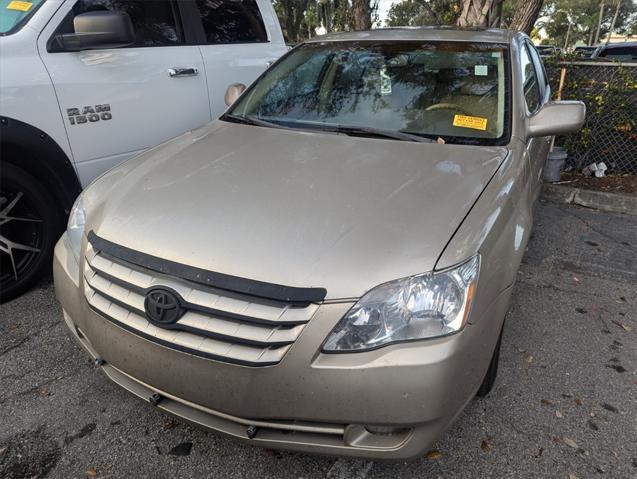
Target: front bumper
(310, 401)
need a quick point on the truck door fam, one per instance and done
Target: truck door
(239, 39)
(116, 102)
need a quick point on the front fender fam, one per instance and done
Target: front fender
(498, 226)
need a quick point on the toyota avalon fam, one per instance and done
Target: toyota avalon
(327, 267)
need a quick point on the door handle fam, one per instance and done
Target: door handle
(182, 72)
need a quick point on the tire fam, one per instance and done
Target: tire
(30, 224)
(492, 372)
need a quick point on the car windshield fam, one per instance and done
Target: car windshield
(13, 13)
(456, 91)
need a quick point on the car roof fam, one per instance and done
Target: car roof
(442, 33)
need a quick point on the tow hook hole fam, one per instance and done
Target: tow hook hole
(252, 432)
(155, 399)
(99, 361)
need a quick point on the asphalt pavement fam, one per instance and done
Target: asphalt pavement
(564, 404)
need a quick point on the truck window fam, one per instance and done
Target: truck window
(156, 23)
(623, 53)
(232, 21)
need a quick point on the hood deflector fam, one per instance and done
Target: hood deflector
(261, 289)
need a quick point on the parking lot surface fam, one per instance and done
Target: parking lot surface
(564, 404)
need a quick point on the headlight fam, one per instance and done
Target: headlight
(423, 306)
(75, 226)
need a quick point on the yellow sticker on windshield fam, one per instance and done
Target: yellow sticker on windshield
(475, 122)
(20, 6)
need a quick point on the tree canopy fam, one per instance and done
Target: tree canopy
(556, 19)
(583, 17)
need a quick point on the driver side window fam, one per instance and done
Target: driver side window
(529, 80)
(156, 22)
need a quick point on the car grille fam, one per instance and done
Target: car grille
(217, 324)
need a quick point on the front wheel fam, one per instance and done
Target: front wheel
(30, 224)
(492, 372)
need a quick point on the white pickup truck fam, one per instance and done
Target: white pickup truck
(86, 84)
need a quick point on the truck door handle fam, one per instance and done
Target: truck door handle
(182, 72)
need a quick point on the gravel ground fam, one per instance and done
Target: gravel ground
(564, 405)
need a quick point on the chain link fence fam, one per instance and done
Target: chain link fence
(609, 134)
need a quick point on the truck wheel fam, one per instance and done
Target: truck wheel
(492, 372)
(30, 224)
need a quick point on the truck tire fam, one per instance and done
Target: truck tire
(30, 224)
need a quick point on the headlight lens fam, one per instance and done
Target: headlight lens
(418, 307)
(75, 226)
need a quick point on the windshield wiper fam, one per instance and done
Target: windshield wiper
(346, 130)
(249, 120)
(375, 132)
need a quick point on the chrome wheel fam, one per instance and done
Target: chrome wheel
(20, 232)
(30, 223)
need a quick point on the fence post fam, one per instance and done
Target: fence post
(559, 97)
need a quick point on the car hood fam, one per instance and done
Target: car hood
(292, 207)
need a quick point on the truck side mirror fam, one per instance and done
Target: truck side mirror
(101, 29)
(557, 118)
(233, 92)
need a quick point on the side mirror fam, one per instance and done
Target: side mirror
(233, 92)
(101, 29)
(557, 118)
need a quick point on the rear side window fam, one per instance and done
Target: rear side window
(156, 22)
(529, 80)
(232, 21)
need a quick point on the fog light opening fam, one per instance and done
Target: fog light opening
(384, 430)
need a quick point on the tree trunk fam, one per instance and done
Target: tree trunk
(526, 14)
(599, 22)
(612, 24)
(475, 13)
(292, 27)
(362, 14)
(495, 14)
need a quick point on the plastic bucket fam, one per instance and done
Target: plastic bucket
(554, 164)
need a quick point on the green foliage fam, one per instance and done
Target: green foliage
(293, 19)
(583, 16)
(431, 12)
(300, 18)
(610, 95)
(408, 13)
(423, 12)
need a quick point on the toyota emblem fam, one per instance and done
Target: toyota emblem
(163, 307)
